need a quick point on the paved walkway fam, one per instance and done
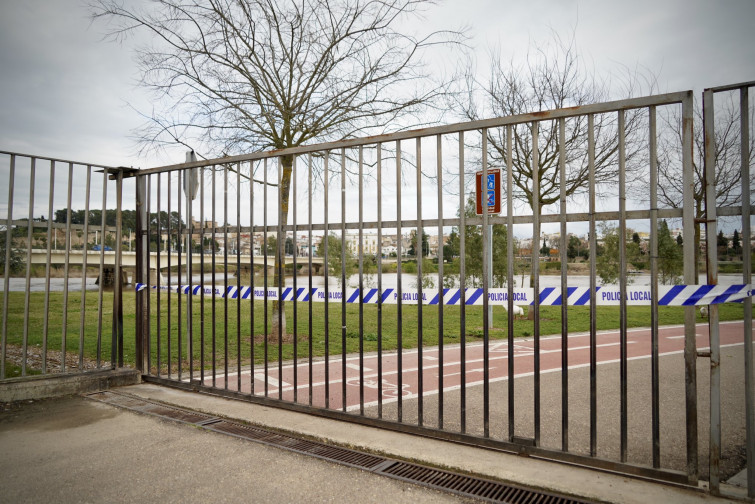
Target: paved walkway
(73, 450)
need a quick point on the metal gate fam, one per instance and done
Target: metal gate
(357, 330)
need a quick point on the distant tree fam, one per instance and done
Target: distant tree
(334, 257)
(289, 246)
(679, 240)
(413, 247)
(728, 174)
(636, 238)
(16, 264)
(553, 76)
(670, 257)
(451, 248)
(736, 243)
(239, 76)
(573, 247)
(473, 250)
(722, 243)
(272, 245)
(545, 250)
(607, 263)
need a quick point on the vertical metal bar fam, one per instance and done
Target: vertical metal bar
(170, 272)
(251, 281)
(593, 288)
(712, 260)
(225, 277)
(536, 274)
(48, 266)
(238, 276)
(326, 278)
(343, 279)
(100, 306)
(744, 117)
(201, 275)
(564, 290)
(118, 294)
(654, 362)
(309, 259)
(623, 286)
(361, 281)
(486, 253)
(510, 276)
(190, 273)
(141, 274)
(160, 250)
(179, 344)
(419, 255)
(265, 282)
(295, 251)
(66, 269)
(190, 174)
(214, 285)
(6, 270)
(147, 258)
(29, 235)
(380, 277)
(690, 346)
(280, 259)
(439, 161)
(399, 291)
(462, 289)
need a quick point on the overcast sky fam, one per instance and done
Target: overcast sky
(65, 92)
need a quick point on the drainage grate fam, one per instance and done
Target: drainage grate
(467, 486)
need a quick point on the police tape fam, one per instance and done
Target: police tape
(668, 295)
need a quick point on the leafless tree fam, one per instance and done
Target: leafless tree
(728, 176)
(552, 77)
(236, 76)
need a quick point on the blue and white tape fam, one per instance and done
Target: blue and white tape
(668, 295)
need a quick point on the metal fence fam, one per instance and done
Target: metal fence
(284, 278)
(45, 328)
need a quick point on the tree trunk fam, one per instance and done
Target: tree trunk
(284, 188)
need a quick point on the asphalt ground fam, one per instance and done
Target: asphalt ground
(75, 450)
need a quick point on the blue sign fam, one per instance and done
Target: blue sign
(491, 181)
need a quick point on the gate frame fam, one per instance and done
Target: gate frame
(521, 446)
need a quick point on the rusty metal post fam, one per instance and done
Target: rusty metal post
(141, 276)
(690, 346)
(712, 260)
(744, 114)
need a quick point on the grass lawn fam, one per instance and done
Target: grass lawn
(232, 325)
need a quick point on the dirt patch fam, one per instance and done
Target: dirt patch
(34, 358)
(273, 338)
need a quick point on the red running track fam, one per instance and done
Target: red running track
(670, 341)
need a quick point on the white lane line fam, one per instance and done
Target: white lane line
(270, 380)
(357, 368)
(521, 375)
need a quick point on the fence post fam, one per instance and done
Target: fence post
(116, 348)
(141, 276)
(690, 346)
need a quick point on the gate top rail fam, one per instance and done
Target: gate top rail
(59, 160)
(598, 108)
(730, 87)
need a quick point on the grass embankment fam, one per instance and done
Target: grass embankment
(236, 331)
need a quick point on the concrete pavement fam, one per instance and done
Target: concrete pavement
(72, 449)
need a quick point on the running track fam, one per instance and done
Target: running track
(670, 341)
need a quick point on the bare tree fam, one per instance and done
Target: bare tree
(236, 76)
(728, 176)
(553, 77)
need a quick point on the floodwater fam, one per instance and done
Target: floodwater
(389, 281)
